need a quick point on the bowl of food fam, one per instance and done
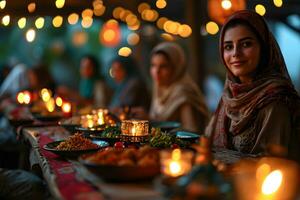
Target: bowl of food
(165, 126)
(123, 164)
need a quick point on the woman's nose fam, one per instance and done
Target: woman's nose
(236, 51)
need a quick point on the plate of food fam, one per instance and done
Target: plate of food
(111, 134)
(74, 146)
(165, 126)
(70, 124)
(125, 164)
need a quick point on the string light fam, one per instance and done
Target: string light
(57, 21)
(184, 30)
(39, 22)
(226, 4)
(161, 4)
(30, 35)
(73, 18)
(2, 4)
(59, 3)
(212, 28)
(31, 7)
(124, 51)
(278, 3)
(6, 20)
(22, 22)
(260, 9)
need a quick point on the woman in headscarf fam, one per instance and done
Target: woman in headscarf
(92, 88)
(259, 107)
(175, 96)
(130, 90)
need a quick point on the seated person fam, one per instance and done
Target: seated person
(259, 106)
(92, 88)
(175, 96)
(130, 90)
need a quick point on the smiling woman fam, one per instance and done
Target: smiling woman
(259, 107)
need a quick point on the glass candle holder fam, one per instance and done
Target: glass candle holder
(88, 121)
(175, 163)
(135, 130)
(101, 114)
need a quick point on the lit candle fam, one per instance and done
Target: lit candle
(50, 105)
(133, 131)
(88, 121)
(176, 163)
(20, 97)
(67, 109)
(101, 120)
(59, 101)
(46, 94)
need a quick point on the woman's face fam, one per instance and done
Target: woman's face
(161, 70)
(241, 52)
(86, 68)
(118, 72)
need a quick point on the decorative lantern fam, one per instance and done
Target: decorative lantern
(219, 10)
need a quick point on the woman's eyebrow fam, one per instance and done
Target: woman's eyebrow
(242, 39)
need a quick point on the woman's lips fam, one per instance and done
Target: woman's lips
(237, 63)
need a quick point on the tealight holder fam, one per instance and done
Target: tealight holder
(88, 121)
(135, 131)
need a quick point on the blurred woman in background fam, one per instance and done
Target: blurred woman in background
(130, 90)
(176, 97)
(92, 87)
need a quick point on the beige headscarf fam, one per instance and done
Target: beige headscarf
(183, 89)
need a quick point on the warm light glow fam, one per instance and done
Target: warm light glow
(278, 3)
(161, 4)
(135, 26)
(99, 10)
(87, 22)
(124, 51)
(272, 182)
(184, 30)
(59, 3)
(2, 4)
(133, 39)
(226, 4)
(73, 18)
(150, 15)
(212, 28)
(57, 21)
(109, 35)
(262, 171)
(50, 105)
(171, 27)
(175, 168)
(117, 11)
(58, 101)
(66, 107)
(133, 131)
(161, 21)
(260, 9)
(167, 37)
(27, 97)
(101, 118)
(39, 22)
(143, 6)
(79, 38)
(22, 22)
(20, 97)
(176, 154)
(30, 35)
(6, 20)
(87, 13)
(131, 20)
(31, 7)
(45, 94)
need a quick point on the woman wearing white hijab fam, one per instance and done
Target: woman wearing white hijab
(176, 97)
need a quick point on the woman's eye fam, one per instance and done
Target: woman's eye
(228, 47)
(246, 44)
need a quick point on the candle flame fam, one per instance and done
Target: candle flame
(133, 131)
(101, 118)
(20, 97)
(50, 105)
(27, 97)
(59, 101)
(46, 94)
(175, 168)
(272, 182)
(176, 154)
(66, 107)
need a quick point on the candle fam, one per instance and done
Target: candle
(269, 178)
(59, 101)
(24, 97)
(67, 109)
(176, 163)
(45, 94)
(20, 97)
(88, 121)
(135, 127)
(50, 105)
